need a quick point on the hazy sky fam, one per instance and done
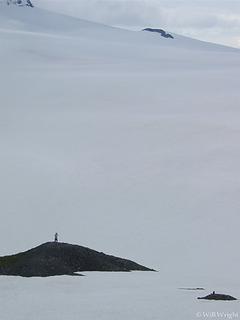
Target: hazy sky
(210, 20)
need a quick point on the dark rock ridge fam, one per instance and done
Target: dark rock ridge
(217, 296)
(22, 3)
(55, 258)
(162, 32)
(192, 288)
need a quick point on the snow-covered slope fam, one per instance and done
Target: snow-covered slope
(119, 140)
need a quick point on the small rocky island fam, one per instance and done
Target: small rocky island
(58, 258)
(218, 296)
(162, 32)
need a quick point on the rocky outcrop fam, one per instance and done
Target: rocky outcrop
(192, 289)
(217, 296)
(55, 258)
(162, 32)
(26, 3)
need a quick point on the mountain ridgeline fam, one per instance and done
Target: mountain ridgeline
(55, 258)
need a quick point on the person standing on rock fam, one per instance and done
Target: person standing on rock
(56, 237)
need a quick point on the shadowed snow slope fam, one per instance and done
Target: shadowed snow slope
(119, 140)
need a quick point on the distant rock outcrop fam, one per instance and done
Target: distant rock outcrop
(217, 296)
(23, 3)
(162, 32)
(55, 258)
(192, 288)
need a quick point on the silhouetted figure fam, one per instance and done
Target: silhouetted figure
(213, 292)
(56, 237)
